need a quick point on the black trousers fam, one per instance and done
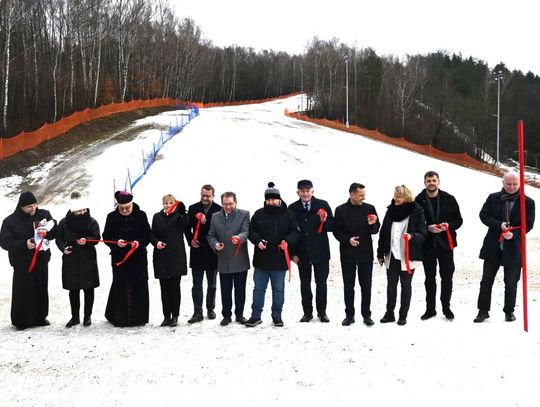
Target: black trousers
(75, 302)
(445, 258)
(511, 279)
(197, 290)
(320, 272)
(226, 284)
(170, 296)
(393, 275)
(365, 272)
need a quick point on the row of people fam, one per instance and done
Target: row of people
(414, 230)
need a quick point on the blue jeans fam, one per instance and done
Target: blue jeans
(277, 279)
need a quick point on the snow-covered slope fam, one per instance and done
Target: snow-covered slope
(240, 149)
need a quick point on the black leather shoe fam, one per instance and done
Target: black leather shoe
(166, 322)
(428, 314)
(253, 321)
(72, 322)
(482, 316)
(277, 320)
(174, 321)
(448, 313)
(510, 317)
(197, 317)
(348, 321)
(211, 314)
(225, 321)
(388, 318)
(402, 321)
(241, 320)
(87, 321)
(323, 318)
(306, 318)
(368, 321)
(45, 322)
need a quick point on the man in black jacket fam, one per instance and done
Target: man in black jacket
(202, 258)
(442, 217)
(502, 244)
(25, 234)
(355, 222)
(315, 220)
(272, 230)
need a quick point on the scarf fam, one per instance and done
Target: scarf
(79, 224)
(398, 213)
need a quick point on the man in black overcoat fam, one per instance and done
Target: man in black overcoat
(502, 244)
(355, 222)
(315, 219)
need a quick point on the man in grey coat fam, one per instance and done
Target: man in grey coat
(228, 234)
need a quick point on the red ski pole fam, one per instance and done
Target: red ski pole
(523, 225)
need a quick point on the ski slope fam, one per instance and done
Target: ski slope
(241, 149)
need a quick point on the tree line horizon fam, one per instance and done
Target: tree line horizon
(58, 57)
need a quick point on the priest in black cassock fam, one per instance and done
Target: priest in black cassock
(128, 227)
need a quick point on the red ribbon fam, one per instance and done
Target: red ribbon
(172, 208)
(448, 235)
(406, 237)
(199, 217)
(238, 244)
(34, 257)
(322, 213)
(501, 236)
(285, 247)
(134, 246)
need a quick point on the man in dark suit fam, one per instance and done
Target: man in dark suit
(502, 244)
(355, 222)
(442, 216)
(315, 219)
(202, 258)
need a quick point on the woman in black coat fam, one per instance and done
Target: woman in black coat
(404, 219)
(128, 301)
(170, 263)
(79, 260)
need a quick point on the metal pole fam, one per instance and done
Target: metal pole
(347, 91)
(301, 88)
(498, 78)
(498, 115)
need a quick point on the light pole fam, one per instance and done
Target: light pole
(347, 91)
(498, 76)
(301, 88)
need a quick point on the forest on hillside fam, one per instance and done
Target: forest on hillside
(59, 56)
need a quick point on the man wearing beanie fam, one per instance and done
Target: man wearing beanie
(25, 234)
(315, 220)
(271, 227)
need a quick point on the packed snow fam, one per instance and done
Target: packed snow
(241, 149)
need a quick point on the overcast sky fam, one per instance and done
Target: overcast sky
(487, 30)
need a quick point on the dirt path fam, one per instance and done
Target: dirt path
(53, 167)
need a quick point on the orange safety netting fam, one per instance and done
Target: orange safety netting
(462, 159)
(26, 140)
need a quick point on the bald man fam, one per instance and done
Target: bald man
(502, 244)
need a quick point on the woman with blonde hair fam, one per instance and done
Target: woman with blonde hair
(400, 248)
(170, 263)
